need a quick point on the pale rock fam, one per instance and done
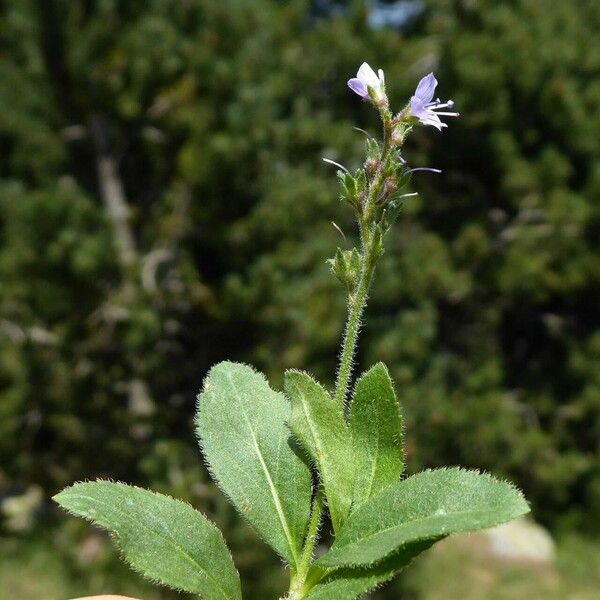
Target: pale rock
(521, 540)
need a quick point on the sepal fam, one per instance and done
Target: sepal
(349, 187)
(377, 247)
(373, 150)
(391, 212)
(346, 267)
(361, 182)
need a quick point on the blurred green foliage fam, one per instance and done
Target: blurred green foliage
(212, 117)
(32, 569)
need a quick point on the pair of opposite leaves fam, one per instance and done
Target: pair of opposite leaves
(381, 522)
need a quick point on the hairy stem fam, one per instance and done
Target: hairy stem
(358, 298)
(305, 578)
(356, 305)
(297, 584)
(313, 533)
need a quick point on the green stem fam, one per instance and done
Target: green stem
(297, 583)
(358, 298)
(313, 533)
(306, 578)
(356, 305)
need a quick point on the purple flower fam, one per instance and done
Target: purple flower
(422, 107)
(366, 78)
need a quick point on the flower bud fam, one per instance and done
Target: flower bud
(371, 165)
(369, 85)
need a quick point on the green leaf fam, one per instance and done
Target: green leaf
(376, 427)
(428, 505)
(319, 425)
(348, 583)
(164, 539)
(241, 423)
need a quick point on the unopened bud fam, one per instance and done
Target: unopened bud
(398, 135)
(390, 187)
(371, 165)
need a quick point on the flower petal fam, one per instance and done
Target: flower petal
(426, 88)
(417, 107)
(428, 117)
(359, 87)
(366, 74)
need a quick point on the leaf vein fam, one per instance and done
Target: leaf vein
(167, 539)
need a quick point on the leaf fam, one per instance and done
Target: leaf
(376, 427)
(164, 539)
(428, 505)
(349, 584)
(241, 423)
(319, 425)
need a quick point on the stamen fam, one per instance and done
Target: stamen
(424, 169)
(448, 114)
(338, 229)
(363, 131)
(337, 164)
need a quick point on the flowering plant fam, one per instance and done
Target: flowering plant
(291, 461)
